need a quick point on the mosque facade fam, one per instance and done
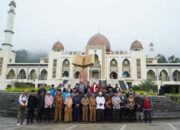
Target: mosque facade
(98, 63)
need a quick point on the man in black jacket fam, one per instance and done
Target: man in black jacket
(32, 104)
(139, 107)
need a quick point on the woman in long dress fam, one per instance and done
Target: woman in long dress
(68, 109)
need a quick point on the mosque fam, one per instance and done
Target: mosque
(98, 63)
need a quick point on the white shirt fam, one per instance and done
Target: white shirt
(100, 100)
(23, 99)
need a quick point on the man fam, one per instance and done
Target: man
(40, 106)
(58, 102)
(42, 90)
(76, 107)
(139, 107)
(81, 87)
(116, 107)
(23, 99)
(92, 108)
(147, 109)
(85, 104)
(31, 105)
(100, 101)
(123, 106)
(48, 105)
(94, 86)
(108, 107)
(52, 90)
(131, 104)
(86, 87)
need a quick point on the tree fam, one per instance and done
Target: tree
(161, 58)
(148, 85)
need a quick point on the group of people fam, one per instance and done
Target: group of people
(95, 103)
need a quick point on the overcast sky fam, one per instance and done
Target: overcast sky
(40, 23)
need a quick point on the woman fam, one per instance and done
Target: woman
(68, 109)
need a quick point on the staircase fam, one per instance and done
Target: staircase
(164, 107)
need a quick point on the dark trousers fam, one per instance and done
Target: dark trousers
(131, 115)
(100, 115)
(122, 115)
(47, 114)
(30, 115)
(116, 115)
(147, 115)
(76, 114)
(40, 113)
(108, 114)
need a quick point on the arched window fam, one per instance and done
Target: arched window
(33, 75)
(11, 74)
(66, 63)
(126, 74)
(43, 75)
(77, 75)
(151, 75)
(113, 63)
(126, 63)
(22, 74)
(163, 75)
(65, 74)
(113, 75)
(176, 75)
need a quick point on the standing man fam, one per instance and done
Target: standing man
(42, 90)
(147, 109)
(23, 99)
(94, 89)
(32, 104)
(58, 102)
(131, 105)
(100, 101)
(81, 87)
(85, 104)
(108, 107)
(139, 107)
(76, 107)
(52, 90)
(40, 107)
(48, 105)
(116, 107)
(92, 108)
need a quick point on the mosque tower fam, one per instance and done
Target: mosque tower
(7, 56)
(7, 45)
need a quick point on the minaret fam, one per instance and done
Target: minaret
(151, 50)
(6, 54)
(7, 45)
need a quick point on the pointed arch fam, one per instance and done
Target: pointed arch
(22, 74)
(11, 74)
(176, 75)
(43, 75)
(151, 75)
(33, 75)
(163, 75)
(113, 75)
(113, 63)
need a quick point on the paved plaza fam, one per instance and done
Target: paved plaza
(10, 124)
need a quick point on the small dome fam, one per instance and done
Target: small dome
(99, 39)
(58, 46)
(12, 3)
(136, 45)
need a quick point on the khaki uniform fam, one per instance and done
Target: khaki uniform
(68, 110)
(85, 103)
(58, 102)
(92, 106)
